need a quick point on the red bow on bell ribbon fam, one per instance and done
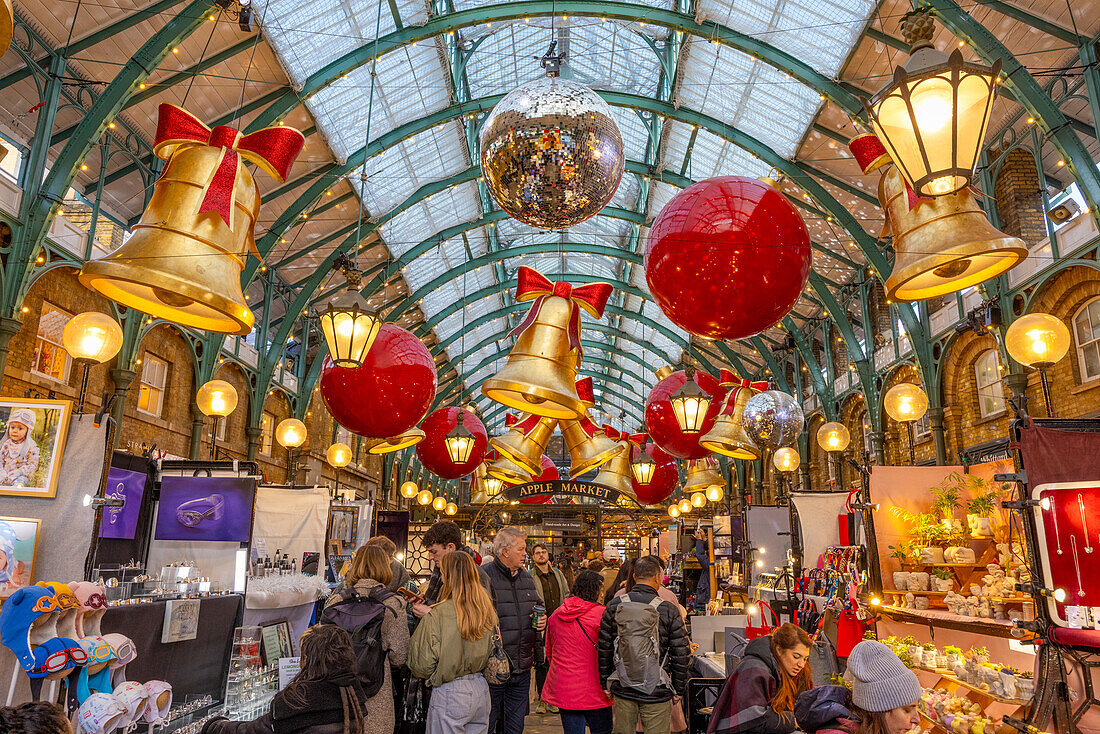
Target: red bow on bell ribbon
(638, 439)
(273, 149)
(592, 297)
(731, 396)
(612, 432)
(510, 419)
(528, 423)
(586, 392)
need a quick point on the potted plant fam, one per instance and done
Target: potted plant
(979, 654)
(980, 511)
(1008, 681)
(914, 648)
(942, 579)
(1025, 685)
(953, 654)
(946, 498)
(903, 554)
(928, 655)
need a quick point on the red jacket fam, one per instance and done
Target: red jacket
(573, 681)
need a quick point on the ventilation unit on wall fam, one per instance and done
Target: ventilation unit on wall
(1064, 212)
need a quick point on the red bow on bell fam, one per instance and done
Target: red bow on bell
(592, 297)
(273, 149)
(510, 419)
(585, 391)
(612, 432)
(738, 384)
(638, 439)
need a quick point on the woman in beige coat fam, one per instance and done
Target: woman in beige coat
(370, 572)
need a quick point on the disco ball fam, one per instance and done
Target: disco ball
(551, 153)
(773, 419)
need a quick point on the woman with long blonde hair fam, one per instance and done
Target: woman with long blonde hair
(450, 648)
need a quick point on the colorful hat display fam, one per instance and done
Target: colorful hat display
(20, 611)
(133, 697)
(56, 655)
(93, 604)
(68, 607)
(153, 711)
(100, 713)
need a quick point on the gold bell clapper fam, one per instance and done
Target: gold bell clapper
(409, 438)
(184, 259)
(700, 475)
(588, 446)
(541, 370)
(616, 473)
(509, 471)
(728, 436)
(943, 244)
(525, 442)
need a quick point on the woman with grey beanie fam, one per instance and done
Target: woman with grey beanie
(884, 692)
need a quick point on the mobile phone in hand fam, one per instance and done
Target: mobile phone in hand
(410, 596)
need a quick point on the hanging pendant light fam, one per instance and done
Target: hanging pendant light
(698, 499)
(349, 324)
(673, 511)
(451, 508)
(439, 503)
(425, 497)
(643, 468)
(685, 506)
(460, 441)
(409, 490)
(932, 116)
(715, 493)
(690, 403)
(493, 485)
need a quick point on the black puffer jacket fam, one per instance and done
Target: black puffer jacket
(515, 597)
(673, 640)
(322, 713)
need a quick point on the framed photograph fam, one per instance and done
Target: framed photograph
(18, 547)
(32, 442)
(343, 524)
(275, 641)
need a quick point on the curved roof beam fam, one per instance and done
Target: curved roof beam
(610, 9)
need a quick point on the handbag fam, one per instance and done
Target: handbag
(498, 669)
(414, 717)
(764, 628)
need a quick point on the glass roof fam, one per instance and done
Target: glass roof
(415, 80)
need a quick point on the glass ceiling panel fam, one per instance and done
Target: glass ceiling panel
(626, 195)
(610, 56)
(710, 155)
(426, 218)
(633, 132)
(750, 95)
(410, 83)
(823, 31)
(308, 35)
(446, 256)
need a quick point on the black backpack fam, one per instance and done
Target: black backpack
(361, 617)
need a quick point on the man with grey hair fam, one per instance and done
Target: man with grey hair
(515, 595)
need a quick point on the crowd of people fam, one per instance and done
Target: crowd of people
(607, 642)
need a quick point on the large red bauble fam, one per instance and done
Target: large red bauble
(665, 477)
(661, 421)
(389, 393)
(727, 257)
(432, 451)
(549, 472)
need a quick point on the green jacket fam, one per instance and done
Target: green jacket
(438, 653)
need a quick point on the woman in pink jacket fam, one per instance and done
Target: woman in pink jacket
(573, 682)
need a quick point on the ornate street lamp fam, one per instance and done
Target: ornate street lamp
(217, 398)
(290, 433)
(493, 486)
(833, 437)
(91, 338)
(439, 503)
(932, 116)
(673, 511)
(906, 403)
(1038, 340)
(409, 490)
(643, 468)
(460, 441)
(690, 403)
(424, 497)
(349, 324)
(786, 459)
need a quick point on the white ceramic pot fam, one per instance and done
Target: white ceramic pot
(918, 581)
(983, 528)
(920, 602)
(943, 584)
(1025, 688)
(1008, 684)
(931, 555)
(901, 580)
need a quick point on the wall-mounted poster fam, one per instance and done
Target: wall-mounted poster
(205, 508)
(129, 486)
(32, 442)
(18, 546)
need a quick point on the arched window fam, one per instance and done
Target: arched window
(1086, 333)
(987, 378)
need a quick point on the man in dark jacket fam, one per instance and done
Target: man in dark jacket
(515, 595)
(632, 703)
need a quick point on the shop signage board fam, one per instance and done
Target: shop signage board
(181, 620)
(570, 524)
(567, 487)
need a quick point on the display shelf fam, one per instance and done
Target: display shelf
(983, 692)
(1017, 707)
(977, 625)
(933, 725)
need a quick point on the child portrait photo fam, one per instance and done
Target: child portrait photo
(32, 442)
(18, 544)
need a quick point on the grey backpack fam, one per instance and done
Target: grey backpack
(638, 664)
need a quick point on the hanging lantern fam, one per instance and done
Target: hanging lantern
(715, 493)
(184, 260)
(540, 376)
(663, 422)
(493, 485)
(665, 477)
(92, 337)
(685, 506)
(339, 455)
(933, 115)
(216, 397)
(905, 402)
(439, 503)
(1037, 340)
(460, 441)
(690, 404)
(409, 490)
(290, 433)
(698, 499)
(424, 497)
(643, 468)
(786, 459)
(411, 437)
(349, 324)
(673, 511)
(451, 508)
(833, 436)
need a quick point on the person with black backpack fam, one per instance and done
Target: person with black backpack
(643, 653)
(375, 619)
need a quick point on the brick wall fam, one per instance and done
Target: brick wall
(1019, 197)
(897, 434)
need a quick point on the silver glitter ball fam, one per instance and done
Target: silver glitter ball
(773, 419)
(551, 153)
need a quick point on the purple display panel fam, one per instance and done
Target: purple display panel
(121, 522)
(205, 508)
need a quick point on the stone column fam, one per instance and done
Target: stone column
(197, 419)
(122, 379)
(253, 433)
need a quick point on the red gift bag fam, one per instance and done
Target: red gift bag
(751, 632)
(849, 632)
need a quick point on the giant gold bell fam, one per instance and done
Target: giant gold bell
(588, 446)
(181, 265)
(701, 475)
(728, 435)
(409, 438)
(509, 471)
(616, 472)
(525, 442)
(540, 374)
(7, 26)
(943, 245)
